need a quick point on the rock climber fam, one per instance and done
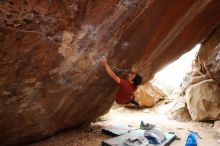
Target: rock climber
(127, 86)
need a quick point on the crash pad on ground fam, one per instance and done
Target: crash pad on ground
(119, 141)
(117, 130)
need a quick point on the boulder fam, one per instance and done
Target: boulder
(50, 75)
(179, 111)
(148, 95)
(202, 84)
(203, 100)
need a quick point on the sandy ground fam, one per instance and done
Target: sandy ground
(92, 135)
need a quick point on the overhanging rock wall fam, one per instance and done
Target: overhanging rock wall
(50, 75)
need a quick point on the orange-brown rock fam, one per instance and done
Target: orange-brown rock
(207, 62)
(148, 95)
(50, 76)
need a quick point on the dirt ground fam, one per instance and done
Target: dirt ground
(158, 115)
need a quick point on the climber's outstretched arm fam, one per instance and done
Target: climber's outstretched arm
(109, 70)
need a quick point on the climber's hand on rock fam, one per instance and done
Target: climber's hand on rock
(103, 60)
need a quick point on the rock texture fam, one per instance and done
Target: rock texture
(202, 85)
(148, 95)
(179, 111)
(203, 101)
(50, 76)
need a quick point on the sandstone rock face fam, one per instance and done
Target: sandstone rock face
(202, 85)
(50, 76)
(180, 111)
(148, 95)
(203, 101)
(207, 62)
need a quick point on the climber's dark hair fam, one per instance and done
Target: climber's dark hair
(137, 80)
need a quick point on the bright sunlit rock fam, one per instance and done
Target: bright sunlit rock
(171, 76)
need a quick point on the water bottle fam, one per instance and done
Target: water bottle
(191, 139)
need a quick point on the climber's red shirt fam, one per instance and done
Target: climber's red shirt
(126, 92)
